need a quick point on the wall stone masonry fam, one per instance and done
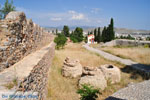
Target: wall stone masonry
(18, 38)
(38, 78)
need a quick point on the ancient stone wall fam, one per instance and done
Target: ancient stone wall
(38, 79)
(18, 38)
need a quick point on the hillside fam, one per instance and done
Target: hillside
(91, 28)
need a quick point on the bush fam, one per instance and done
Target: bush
(60, 41)
(77, 35)
(88, 92)
(146, 46)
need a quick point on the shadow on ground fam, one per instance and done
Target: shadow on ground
(114, 98)
(144, 71)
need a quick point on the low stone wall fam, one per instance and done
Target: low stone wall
(124, 42)
(18, 38)
(38, 78)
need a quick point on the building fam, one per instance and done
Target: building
(90, 39)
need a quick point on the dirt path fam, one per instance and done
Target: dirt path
(139, 67)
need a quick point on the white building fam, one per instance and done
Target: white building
(91, 39)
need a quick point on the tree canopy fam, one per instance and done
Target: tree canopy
(66, 31)
(8, 7)
(77, 35)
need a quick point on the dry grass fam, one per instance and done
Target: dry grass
(61, 88)
(138, 54)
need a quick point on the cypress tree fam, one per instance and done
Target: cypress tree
(99, 35)
(66, 31)
(112, 33)
(95, 34)
(56, 31)
(104, 35)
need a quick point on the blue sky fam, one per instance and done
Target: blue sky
(133, 14)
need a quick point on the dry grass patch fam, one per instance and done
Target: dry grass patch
(61, 88)
(138, 54)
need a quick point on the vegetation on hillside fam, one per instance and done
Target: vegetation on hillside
(129, 37)
(8, 7)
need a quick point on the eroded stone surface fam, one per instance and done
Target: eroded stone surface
(71, 68)
(111, 73)
(94, 77)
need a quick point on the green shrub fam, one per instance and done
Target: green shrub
(146, 46)
(60, 41)
(77, 35)
(88, 92)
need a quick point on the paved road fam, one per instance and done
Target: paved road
(135, 65)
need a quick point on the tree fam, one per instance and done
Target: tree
(111, 29)
(88, 92)
(60, 41)
(99, 38)
(77, 35)
(95, 34)
(56, 31)
(108, 33)
(91, 32)
(66, 31)
(8, 7)
(104, 35)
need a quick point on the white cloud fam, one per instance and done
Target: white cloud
(95, 10)
(76, 16)
(71, 12)
(70, 17)
(56, 19)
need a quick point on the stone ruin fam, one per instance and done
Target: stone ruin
(71, 68)
(95, 76)
(18, 38)
(111, 73)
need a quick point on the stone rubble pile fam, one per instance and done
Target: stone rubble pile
(95, 76)
(19, 37)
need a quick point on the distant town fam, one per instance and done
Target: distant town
(119, 32)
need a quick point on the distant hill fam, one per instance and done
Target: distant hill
(91, 28)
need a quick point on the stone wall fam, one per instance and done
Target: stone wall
(38, 79)
(19, 37)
